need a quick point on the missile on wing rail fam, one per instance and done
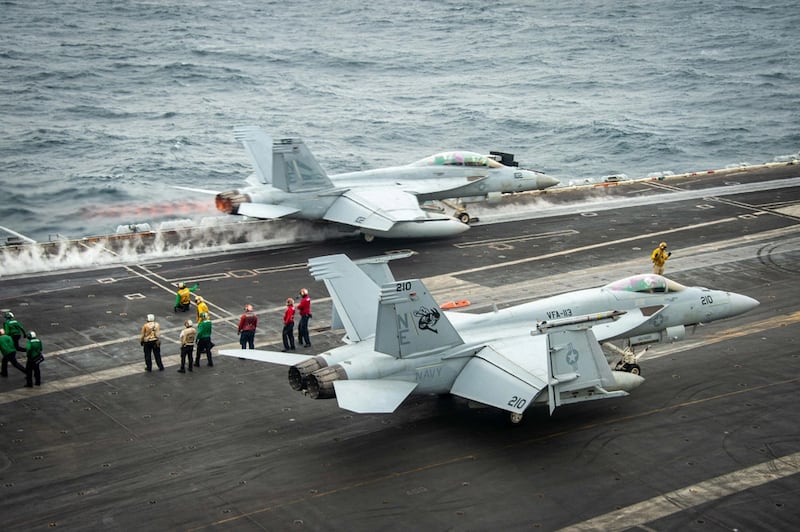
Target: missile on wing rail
(587, 320)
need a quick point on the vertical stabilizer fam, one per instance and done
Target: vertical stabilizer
(410, 322)
(258, 146)
(355, 296)
(294, 169)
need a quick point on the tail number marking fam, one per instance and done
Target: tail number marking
(517, 403)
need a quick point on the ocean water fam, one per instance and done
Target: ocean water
(106, 103)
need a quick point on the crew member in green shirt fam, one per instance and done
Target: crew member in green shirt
(34, 350)
(9, 353)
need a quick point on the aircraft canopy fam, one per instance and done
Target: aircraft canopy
(458, 158)
(645, 284)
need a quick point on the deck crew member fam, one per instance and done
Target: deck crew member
(15, 330)
(9, 353)
(204, 343)
(33, 348)
(188, 335)
(182, 300)
(151, 343)
(288, 325)
(304, 308)
(659, 256)
(247, 327)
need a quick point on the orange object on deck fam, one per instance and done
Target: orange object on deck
(455, 304)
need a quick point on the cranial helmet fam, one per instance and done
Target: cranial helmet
(31, 334)
(204, 315)
(198, 299)
(662, 245)
(181, 285)
(9, 315)
(187, 323)
(150, 317)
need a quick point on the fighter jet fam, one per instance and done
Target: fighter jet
(543, 352)
(385, 202)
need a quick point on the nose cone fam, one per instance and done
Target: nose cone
(741, 304)
(544, 181)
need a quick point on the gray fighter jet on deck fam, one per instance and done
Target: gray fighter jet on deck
(385, 202)
(543, 352)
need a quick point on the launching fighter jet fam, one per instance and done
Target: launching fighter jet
(543, 352)
(385, 202)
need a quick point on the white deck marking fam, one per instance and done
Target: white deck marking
(691, 496)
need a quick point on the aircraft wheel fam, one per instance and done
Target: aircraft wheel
(635, 369)
(516, 417)
(464, 217)
(368, 237)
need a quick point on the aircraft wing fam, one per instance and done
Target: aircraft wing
(372, 396)
(273, 357)
(508, 377)
(376, 208)
(568, 364)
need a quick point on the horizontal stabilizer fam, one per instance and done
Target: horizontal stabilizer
(372, 396)
(265, 211)
(273, 357)
(193, 189)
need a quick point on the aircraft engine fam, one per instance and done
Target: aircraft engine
(320, 383)
(230, 200)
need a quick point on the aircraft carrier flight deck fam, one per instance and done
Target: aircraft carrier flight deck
(710, 440)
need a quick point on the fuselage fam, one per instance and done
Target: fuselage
(652, 304)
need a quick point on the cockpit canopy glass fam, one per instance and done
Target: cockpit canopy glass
(645, 284)
(458, 158)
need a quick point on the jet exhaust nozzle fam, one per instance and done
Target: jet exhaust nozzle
(230, 200)
(298, 374)
(320, 383)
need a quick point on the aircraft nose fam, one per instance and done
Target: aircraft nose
(741, 304)
(546, 181)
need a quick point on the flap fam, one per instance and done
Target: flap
(265, 211)
(373, 396)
